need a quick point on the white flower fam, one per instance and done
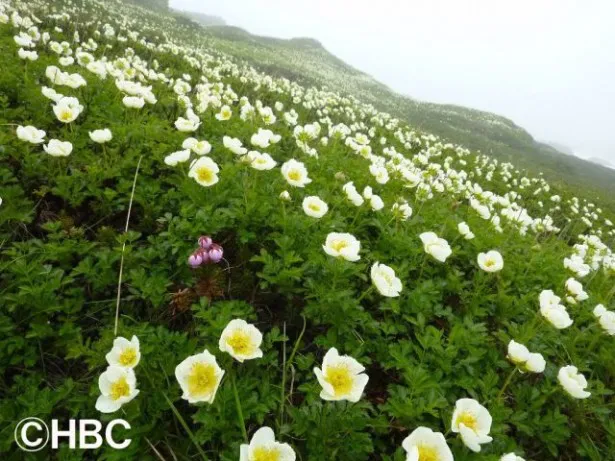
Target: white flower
(473, 422)
(573, 382)
(263, 447)
(535, 363)
(225, 113)
(380, 173)
(204, 171)
(575, 289)
(124, 354)
(353, 195)
(196, 146)
(342, 245)
(234, 145)
(435, 246)
(133, 102)
(511, 457)
(27, 54)
(30, 134)
(524, 359)
(52, 94)
(199, 377)
(376, 202)
(426, 445)
(606, 319)
(241, 340)
(554, 312)
(67, 109)
(261, 161)
(23, 39)
(402, 210)
(314, 207)
(548, 299)
(517, 353)
(187, 124)
(491, 261)
(465, 231)
(599, 310)
(57, 148)
(385, 280)
(284, 195)
(295, 173)
(576, 264)
(101, 136)
(117, 386)
(177, 157)
(264, 138)
(341, 377)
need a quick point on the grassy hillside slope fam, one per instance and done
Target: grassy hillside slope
(307, 61)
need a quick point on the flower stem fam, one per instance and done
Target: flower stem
(119, 281)
(365, 293)
(507, 383)
(283, 396)
(239, 411)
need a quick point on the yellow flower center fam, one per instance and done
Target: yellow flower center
(119, 389)
(468, 420)
(340, 378)
(427, 453)
(240, 342)
(66, 115)
(314, 207)
(202, 379)
(489, 263)
(266, 454)
(339, 245)
(128, 357)
(205, 174)
(294, 175)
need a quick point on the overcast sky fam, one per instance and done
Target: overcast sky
(549, 65)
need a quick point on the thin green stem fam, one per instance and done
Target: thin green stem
(119, 280)
(296, 347)
(185, 426)
(356, 216)
(365, 293)
(506, 383)
(239, 410)
(177, 414)
(283, 396)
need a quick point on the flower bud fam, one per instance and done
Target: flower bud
(195, 259)
(215, 253)
(205, 242)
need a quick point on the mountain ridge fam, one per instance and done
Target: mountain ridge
(307, 61)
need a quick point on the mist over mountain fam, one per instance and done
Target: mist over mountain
(561, 147)
(201, 18)
(307, 61)
(602, 162)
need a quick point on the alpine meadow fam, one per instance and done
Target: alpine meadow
(248, 250)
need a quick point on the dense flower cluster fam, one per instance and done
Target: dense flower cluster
(340, 214)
